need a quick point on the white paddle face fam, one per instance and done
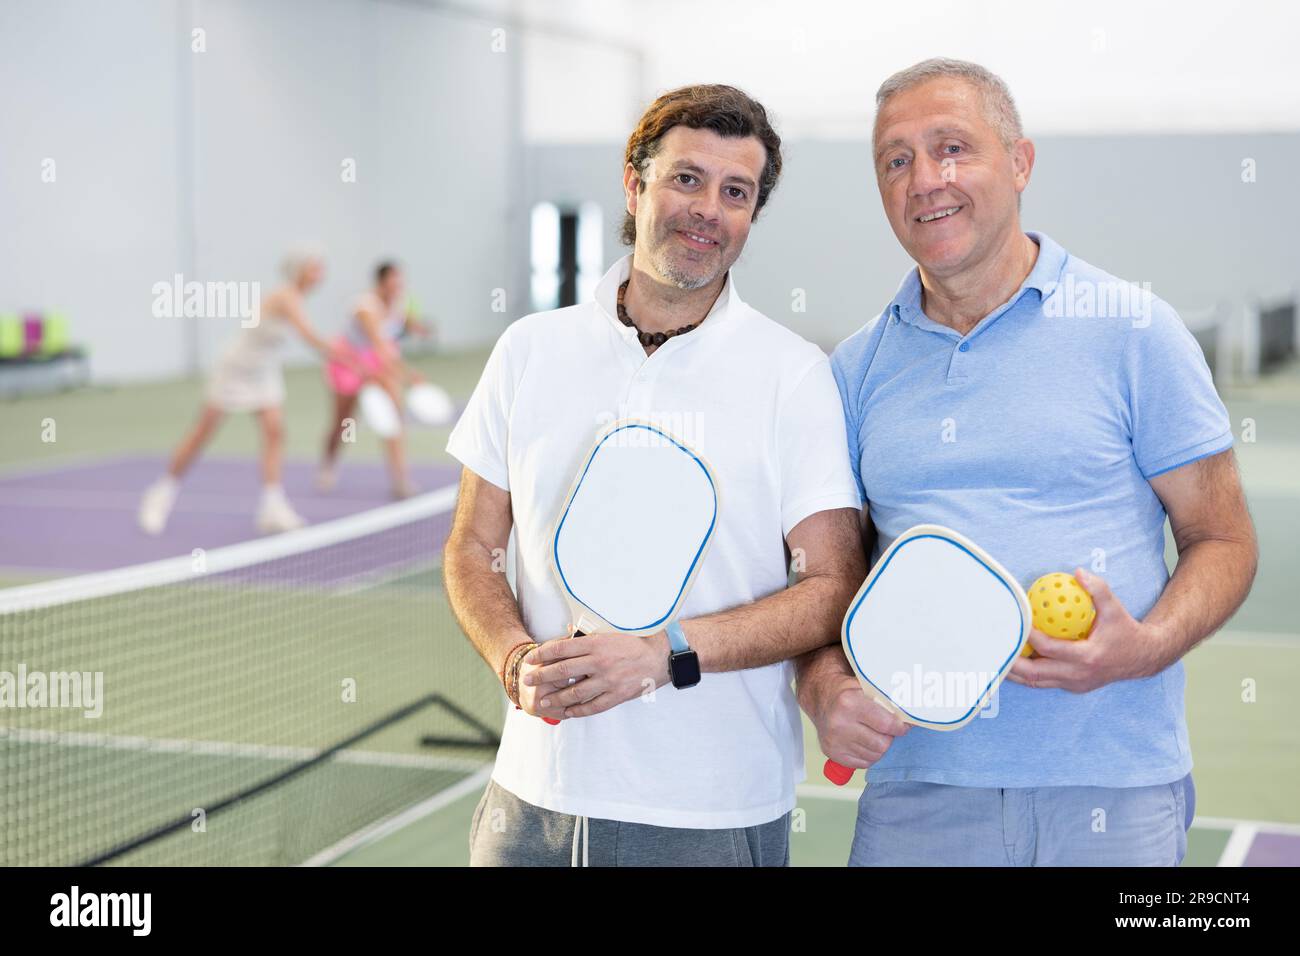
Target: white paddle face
(634, 530)
(935, 628)
(379, 411)
(430, 405)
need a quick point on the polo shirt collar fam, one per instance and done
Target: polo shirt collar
(724, 306)
(1044, 277)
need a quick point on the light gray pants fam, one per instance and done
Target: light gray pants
(909, 823)
(506, 831)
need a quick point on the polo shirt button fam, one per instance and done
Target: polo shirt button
(964, 347)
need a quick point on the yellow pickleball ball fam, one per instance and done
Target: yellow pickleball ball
(1061, 607)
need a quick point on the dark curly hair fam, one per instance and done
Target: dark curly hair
(725, 110)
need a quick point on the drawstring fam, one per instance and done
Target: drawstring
(580, 834)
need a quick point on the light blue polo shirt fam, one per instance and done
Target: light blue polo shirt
(1036, 435)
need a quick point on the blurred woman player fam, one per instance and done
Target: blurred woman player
(248, 378)
(369, 348)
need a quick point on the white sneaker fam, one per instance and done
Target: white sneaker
(156, 505)
(276, 515)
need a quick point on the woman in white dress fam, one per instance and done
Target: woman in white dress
(248, 378)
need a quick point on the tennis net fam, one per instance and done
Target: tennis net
(256, 704)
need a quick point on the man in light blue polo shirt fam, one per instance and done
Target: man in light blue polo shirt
(1056, 415)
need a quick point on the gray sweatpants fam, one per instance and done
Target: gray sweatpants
(506, 831)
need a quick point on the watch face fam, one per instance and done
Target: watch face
(685, 669)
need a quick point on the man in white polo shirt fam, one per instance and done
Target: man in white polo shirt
(706, 775)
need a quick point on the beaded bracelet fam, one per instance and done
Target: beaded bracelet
(505, 663)
(516, 668)
(515, 662)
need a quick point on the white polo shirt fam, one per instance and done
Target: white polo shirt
(760, 404)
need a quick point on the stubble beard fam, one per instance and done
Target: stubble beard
(665, 263)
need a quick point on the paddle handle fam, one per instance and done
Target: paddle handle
(551, 720)
(837, 773)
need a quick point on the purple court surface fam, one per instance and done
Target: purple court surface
(82, 517)
(1273, 849)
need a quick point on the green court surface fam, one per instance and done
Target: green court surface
(1243, 711)
(105, 421)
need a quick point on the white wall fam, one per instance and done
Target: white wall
(446, 198)
(1169, 210)
(415, 96)
(92, 86)
(277, 109)
(209, 164)
(576, 91)
(1102, 66)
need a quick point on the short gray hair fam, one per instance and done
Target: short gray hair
(298, 256)
(999, 107)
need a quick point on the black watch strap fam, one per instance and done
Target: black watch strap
(683, 663)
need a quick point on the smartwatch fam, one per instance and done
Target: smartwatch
(683, 663)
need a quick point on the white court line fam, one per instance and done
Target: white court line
(189, 502)
(1276, 639)
(389, 573)
(813, 791)
(225, 748)
(1260, 826)
(29, 469)
(399, 821)
(36, 575)
(1234, 853)
(346, 585)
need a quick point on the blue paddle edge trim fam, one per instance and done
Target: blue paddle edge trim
(848, 623)
(713, 520)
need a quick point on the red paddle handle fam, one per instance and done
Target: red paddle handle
(837, 773)
(551, 720)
